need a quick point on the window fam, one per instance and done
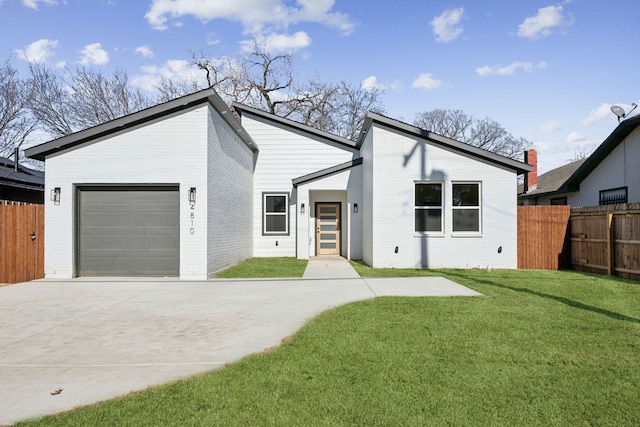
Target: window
(559, 201)
(275, 213)
(613, 196)
(428, 207)
(465, 207)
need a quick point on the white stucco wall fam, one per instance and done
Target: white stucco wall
(285, 154)
(170, 151)
(400, 161)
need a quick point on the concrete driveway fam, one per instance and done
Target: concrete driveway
(98, 339)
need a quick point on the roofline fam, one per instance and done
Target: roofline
(415, 131)
(326, 172)
(293, 124)
(21, 184)
(39, 152)
(618, 135)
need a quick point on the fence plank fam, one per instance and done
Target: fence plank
(543, 237)
(21, 256)
(606, 240)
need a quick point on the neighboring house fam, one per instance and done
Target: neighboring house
(608, 176)
(186, 189)
(19, 183)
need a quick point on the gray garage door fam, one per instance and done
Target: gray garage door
(128, 231)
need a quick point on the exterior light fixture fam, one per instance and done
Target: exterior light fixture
(355, 208)
(55, 196)
(192, 195)
(301, 208)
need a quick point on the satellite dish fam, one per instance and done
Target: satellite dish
(618, 111)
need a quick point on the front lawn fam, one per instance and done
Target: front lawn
(540, 348)
(265, 268)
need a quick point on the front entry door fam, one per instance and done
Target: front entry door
(328, 229)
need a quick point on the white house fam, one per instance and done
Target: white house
(608, 176)
(188, 188)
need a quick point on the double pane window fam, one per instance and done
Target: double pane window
(428, 207)
(465, 207)
(275, 213)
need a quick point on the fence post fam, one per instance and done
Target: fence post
(610, 246)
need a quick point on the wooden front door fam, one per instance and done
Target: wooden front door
(328, 229)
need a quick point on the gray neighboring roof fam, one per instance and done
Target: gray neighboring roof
(613, 140)
(295, 125)
(326, 172)
(24, 177)
(551, 181)
(443, 141)
(40, 152)
(574, 173)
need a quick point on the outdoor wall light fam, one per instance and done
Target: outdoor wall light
(55, 196)
(301, 208)
(192, 195)
(355, 208)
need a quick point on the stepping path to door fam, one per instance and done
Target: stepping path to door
(98, 339)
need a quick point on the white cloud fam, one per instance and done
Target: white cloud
(33, 4)
(275, 43)
(175, 70)
(426, 81)
(145, 51)
(447, 26)
(254, 15)
(93, 54)
(38, 51)
(510, 69)
(551, 126)
(543, 24)
(574, 137)
(598, 115)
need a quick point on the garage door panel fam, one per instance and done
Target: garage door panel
(128, 231)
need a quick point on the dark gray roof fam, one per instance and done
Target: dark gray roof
(436, 139)
(326, 172)
(294, 125)
(40, 152)
(552, 181)
(22, 178)
(617, 136)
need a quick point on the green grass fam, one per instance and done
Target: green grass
(265, 268)
(540, 348)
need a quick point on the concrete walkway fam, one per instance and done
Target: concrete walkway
(98, 339)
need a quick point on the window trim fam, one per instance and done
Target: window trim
(478, 208)
(441, 207)
(601, 195)
(265, 214)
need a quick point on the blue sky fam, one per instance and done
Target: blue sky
(547, 71)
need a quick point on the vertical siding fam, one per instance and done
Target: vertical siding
(285, 153)
(230, 196)
(399, 162)
(170, 151)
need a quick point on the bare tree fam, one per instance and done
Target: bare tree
(96, 98)
(15, 121)
(65, 103)
(485, 133)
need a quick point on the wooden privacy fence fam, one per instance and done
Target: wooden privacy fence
(543, 237)
(606, 240)
(21, 242)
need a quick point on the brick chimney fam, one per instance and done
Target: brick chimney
(531, 178)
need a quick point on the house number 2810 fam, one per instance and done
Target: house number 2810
(192, 215)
